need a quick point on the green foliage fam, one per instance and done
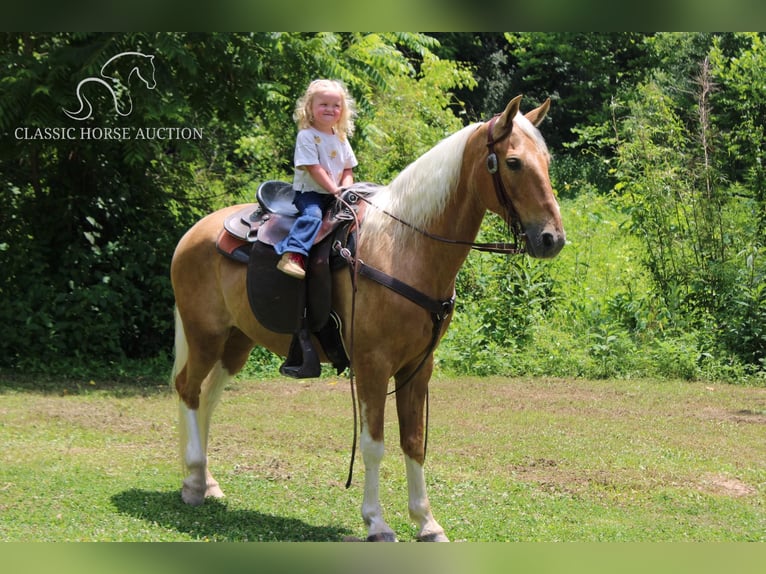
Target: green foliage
(580, 71)
(691, 208)
(89, 225)
(522, 316)
(501, 298)
(409, 118)
(744, 313)
(657, 162)
(593, 311)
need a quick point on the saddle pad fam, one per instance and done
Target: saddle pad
(278, 300)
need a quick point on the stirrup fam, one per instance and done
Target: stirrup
(302, 361)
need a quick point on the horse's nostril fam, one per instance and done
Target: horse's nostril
(548, 240)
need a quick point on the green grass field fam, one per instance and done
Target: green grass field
(508, 460)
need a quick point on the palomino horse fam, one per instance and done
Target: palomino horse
(418, 230)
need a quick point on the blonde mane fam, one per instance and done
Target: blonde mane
(421, 191)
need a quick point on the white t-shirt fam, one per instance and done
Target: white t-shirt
(313, 147)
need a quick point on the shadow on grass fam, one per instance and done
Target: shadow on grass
(116, 386)
(214, 521)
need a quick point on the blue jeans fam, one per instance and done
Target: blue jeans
(311, 207)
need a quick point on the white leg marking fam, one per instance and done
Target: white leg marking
(419, 506)
(194, 427)
(195, 484)
(212, 389)
(194, 456)
(372, 513)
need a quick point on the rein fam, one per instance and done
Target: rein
(513, 220)
(490, 247)
(439, 309)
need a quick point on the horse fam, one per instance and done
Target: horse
(142, 65)
(418, 229)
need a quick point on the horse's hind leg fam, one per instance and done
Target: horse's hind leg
(194, 364)
(194, 425)
(201, 370)
(410, 401)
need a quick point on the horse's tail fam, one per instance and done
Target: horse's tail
(181, 356)
(181, 348)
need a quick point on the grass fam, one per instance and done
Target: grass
(509, 460)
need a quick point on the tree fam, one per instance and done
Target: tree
(703, 246)
(741, 114)
(89, 224)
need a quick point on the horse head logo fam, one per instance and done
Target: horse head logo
(142, 65)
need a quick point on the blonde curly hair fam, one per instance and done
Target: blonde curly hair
(303, 116)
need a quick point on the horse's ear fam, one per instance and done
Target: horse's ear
(505, 121)
(537, 115)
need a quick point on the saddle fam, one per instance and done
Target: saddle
(280, 302)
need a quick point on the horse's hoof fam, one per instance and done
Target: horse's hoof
(214, 491)
(192, 496)
(382, 537)
(433, 537)
(192, 499)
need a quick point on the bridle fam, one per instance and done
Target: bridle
(512, 220)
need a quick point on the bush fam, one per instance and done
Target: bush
(591, 312)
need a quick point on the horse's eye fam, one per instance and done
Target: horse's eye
(513, 163)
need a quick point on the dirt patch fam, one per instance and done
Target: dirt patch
(272, 469)
(750, 416)
(724, 485)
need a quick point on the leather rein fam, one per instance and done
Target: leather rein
(512, 220)
(439, 309)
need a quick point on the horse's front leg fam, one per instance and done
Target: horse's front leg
(372, 447)
(419, 506)
(410, 402)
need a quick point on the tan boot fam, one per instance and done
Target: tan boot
(293, 265)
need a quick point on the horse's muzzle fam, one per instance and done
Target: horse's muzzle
(544, 242)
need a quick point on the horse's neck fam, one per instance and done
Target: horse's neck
(433, 195)
(460, 222)
(417, 256)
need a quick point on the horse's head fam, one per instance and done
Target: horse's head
(517, 185)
